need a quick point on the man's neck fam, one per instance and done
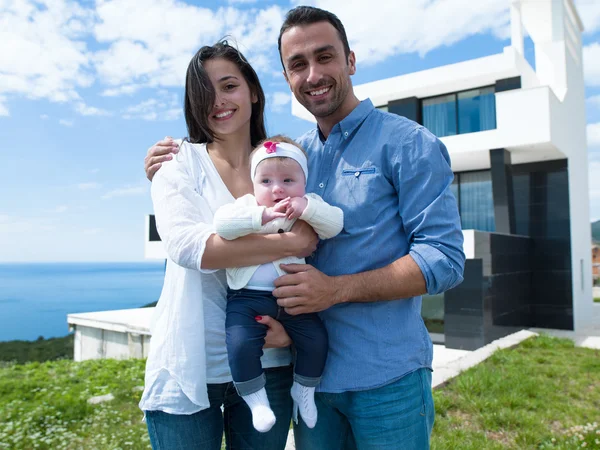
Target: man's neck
(326, 124)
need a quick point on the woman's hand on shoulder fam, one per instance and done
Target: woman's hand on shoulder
(157, 154)
(304, 238)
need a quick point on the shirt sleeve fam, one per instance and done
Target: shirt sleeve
(183, 216)
(429, 210)
(239, 218)
(326, 220)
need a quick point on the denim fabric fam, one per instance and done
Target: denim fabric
(391, 177)
(397, 416)
(245, 339)
(204, 429)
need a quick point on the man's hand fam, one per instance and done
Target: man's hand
(275, 211)
(306, 237)
(157, 154)
(296, 207)
(276, 334)
(305, 289)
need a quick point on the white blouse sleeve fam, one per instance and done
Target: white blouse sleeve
(326, 220)
(183, 216)
(239, 218)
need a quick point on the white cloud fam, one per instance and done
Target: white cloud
(94, 170)
(88, 186)
(390, 28)
(593, 135)
(3, 108)
(155, 49)
(126, 191)
(589, 12)
(591, 64)
(125, 61)
(278, 101)
(594, 100)
(66, 123)
(47, 57)
(92, 231)
(61, 209)
(165, 107)
(86, 110)
(44, 116)
(15, 224)
(127, 89)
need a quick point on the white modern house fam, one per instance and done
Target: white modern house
(516, 135)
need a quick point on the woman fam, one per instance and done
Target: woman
(187, 375)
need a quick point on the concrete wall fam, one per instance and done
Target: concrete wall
(96, 343)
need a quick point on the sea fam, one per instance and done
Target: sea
(35, 298)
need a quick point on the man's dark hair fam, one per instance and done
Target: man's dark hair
(307, 15)
(200, 93)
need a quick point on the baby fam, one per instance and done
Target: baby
(279, 172)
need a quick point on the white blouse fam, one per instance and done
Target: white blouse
(187, 348)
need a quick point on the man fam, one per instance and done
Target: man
(401, 239)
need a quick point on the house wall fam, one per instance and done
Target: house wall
(97, 343)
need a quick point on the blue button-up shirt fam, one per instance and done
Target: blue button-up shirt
(391, 178)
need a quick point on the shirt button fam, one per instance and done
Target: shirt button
(357, 174)
(321, 185)
(346, 134)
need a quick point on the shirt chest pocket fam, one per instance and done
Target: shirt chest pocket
(360, 183)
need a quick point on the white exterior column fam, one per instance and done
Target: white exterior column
(516, 27)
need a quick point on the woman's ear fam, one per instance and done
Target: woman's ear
(254, 97)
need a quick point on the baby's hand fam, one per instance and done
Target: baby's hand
(275, 211)
(296, 207)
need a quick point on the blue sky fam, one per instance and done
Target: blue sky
(86, 87)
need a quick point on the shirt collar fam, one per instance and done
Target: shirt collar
(352, 120)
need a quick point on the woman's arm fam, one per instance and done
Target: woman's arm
(184, 223)
(255, 249)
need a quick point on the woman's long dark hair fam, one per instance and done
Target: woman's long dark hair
(200, 94)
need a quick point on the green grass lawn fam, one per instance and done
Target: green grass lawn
(597, 299)
(540, 395)
(44, 405)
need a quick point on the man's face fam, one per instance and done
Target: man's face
(317, 69)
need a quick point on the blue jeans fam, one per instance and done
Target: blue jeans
(245, 338)
(204, 429)
(396, 416)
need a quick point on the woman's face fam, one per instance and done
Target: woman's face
(233, 99)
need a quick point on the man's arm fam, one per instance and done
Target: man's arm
(157, 154)
(306, 289)
(435, 261)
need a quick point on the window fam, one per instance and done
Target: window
(475, 200)
(476, 110)
(464, 112)
(439, 115)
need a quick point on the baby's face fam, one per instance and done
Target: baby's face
(276, 179)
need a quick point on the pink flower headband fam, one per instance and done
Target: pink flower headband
(279, 149)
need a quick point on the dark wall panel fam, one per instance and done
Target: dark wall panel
(407, 107)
